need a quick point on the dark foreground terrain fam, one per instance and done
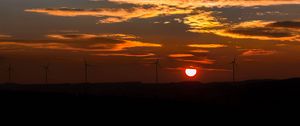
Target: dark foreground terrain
(260, 101)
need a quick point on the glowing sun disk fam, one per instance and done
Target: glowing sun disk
(191, 72)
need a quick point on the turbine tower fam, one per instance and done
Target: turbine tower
(156, 71)
(46, 68)
(86, 66)
(234, 67)
(10, 69)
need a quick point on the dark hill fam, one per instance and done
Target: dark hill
(264, 101)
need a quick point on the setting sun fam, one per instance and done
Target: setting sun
(191, 72)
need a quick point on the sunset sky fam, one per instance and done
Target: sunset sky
(121, 39)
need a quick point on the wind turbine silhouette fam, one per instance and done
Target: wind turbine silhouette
(234, 64)
(10, 69)
(156, 71)
(46, 68)
(86, 66)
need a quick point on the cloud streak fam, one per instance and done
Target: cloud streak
(117, 43)
(208, 3)
(91, 36)
(263, 30)
(286, 24)
(180, 55)
(115, 15)
(207, 46)
(126, 54)
(199, 51)
(258, 52)
(201, 61)
(126, 45)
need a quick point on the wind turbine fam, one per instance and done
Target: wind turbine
(86, 66)
(234, 68)
(10, 69)
(156, 71)
(46, 68)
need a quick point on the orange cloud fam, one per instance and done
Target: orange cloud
(257, 29)
(201, 61)
(258, 52)
(208, 3)
(113, 15)
(58, 46)
(162, 7)
(90, 36)
(261, 30)
(125, 41)
(180, 55)
(203, 22)
(92, 43)
(118, 36)
(281, 45)
(208, 46)
(127, 44)
(126, 55)
(198, 21)
(21, 46)
(199, 51)
(71, 36)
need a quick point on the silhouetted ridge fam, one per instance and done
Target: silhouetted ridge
(252, 100)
